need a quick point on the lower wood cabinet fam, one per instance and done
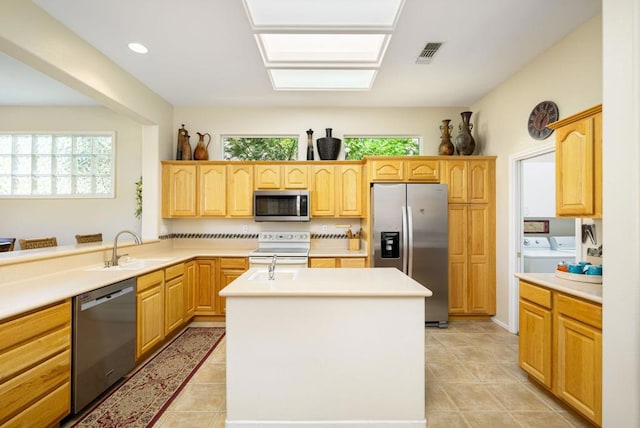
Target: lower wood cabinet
(174, 313)
(149, 311)
(206, 285)
(35, 367)
(337, 262)
(561, 347)
(190, 289)
(230, 269)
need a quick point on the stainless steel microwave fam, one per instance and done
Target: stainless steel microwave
(281, 205)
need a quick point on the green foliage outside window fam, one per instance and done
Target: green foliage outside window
(260, 148)
(357, 148)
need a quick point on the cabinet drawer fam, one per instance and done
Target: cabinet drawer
(33, 352)
(34, 324)
(174, 271)
(588, 313)
(352, 262)
(322, 263)
(45, 412)
(387, 170)
(149, 280)
(233, 263)
(423, 170)
(535, 294)
(18, 392)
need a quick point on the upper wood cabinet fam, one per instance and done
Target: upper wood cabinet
(212, 190)
(240, 190)
(275, 176)
(349, 190)
(179, 190)
(469, 181)
(579, 164)
(405, 170)
(323, 191)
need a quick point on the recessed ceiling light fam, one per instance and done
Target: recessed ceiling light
(138, 48)
(321, 79)
(357, 49)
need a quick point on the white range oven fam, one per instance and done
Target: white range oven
(291, 249)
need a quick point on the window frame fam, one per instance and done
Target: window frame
(72, 135)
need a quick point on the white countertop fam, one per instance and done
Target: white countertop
(342, 282)
(585, 290)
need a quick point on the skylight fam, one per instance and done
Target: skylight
(322, 45)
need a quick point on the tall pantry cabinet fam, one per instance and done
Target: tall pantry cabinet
(471, 186)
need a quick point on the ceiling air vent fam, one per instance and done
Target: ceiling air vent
(429, 51)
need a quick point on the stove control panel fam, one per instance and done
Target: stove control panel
(284, 237)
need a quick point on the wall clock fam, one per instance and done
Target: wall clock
(543, 114)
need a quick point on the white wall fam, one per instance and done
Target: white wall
(64, 218)
(570, 74)
(422, 122)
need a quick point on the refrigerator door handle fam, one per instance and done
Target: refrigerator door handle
(410, 241)
(405, 241)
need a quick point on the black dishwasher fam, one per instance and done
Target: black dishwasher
(104, 340)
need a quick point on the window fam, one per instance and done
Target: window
(356, 148)
(259, 148)
(65, 165)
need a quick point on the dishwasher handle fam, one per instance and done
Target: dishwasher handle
(106, 298)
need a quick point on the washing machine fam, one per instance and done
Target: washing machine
(542, 255)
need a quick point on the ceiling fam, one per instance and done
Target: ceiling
(203, 53)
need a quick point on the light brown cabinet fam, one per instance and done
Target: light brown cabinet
(179, 190)
(276, 176)
(35, 367)
(240, 190)
(405, 170)
(230, 269)
(579, 164)
(174, 313)
(323, 191)
(561, 346)
(212, 190)
(337, 262)
(349, 194)
(150, 318)
(190, 289)
(469, 181)
(206, 286)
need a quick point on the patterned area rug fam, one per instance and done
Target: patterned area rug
(140, 400)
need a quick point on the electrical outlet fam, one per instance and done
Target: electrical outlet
(324, 228)
(245, 228)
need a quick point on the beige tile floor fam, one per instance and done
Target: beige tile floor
(472, 380)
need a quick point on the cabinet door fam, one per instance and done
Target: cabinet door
(206, 278)
(322, 262)
(230, 269)
(150, 318)
(212, 197)
(189, 289)
(575, 168)
(322, 191)
(480, 181)
(179, 191)
(481, 272)
(579, 366)
(268, 176)
(174, 304)
(456, 176)
(296, 176)
(352, 262)
(350, 191)
(458, 259)
(240, 190)
(534, 353)
(426, 171)
(387, 170)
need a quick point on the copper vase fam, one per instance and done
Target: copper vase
(446, 147)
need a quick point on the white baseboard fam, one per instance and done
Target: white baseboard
(501, 324)
(327, 424)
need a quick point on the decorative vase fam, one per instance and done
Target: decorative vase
(446, 147)
(183, 135)
(186, 148)
(201, 152)
(328, 147)
(465, 144)
(309, 144)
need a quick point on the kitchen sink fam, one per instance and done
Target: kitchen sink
(263, 275)
(131, 264)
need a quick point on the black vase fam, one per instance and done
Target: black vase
(465, 144)
(328, 147)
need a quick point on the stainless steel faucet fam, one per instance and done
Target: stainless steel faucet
(272, 267)
(114, 254)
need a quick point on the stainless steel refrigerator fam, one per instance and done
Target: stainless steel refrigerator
(409, 224)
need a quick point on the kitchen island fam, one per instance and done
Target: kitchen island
(340, 347)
